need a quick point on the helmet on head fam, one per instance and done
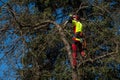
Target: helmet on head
(75, 16)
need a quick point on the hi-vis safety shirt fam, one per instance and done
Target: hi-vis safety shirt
(77, 26)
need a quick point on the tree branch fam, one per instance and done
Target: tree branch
(102, 9)
(81, 7)
(100, 57)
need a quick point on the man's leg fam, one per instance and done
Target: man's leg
(74, 55)
(82, 52)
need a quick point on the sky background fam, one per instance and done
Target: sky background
(3, 66)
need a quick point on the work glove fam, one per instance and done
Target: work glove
(70, 15)
(77, 39)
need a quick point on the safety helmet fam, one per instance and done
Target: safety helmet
(75, 16)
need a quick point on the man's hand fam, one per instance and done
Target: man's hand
(77, 39)
(70, 15)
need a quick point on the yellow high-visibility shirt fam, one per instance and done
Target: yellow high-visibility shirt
(77, 26)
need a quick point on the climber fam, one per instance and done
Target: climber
(79, 42)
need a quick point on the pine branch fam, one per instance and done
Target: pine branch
(100, 57)
(81, 7)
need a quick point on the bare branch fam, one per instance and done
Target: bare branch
(102, 9)
(63, 37)
(40, 26)
(4, 28)
(101, 57)
(81, 7)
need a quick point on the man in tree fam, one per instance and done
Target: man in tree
(79, 43)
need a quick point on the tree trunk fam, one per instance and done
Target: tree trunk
(68, 48)
(74, 75)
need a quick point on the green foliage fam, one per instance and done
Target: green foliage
(100, 36)
(45, 57)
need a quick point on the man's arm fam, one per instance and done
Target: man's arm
(68, 21)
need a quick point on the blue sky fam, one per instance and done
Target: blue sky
(9, 40)
(3, 65)
(3, 1)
